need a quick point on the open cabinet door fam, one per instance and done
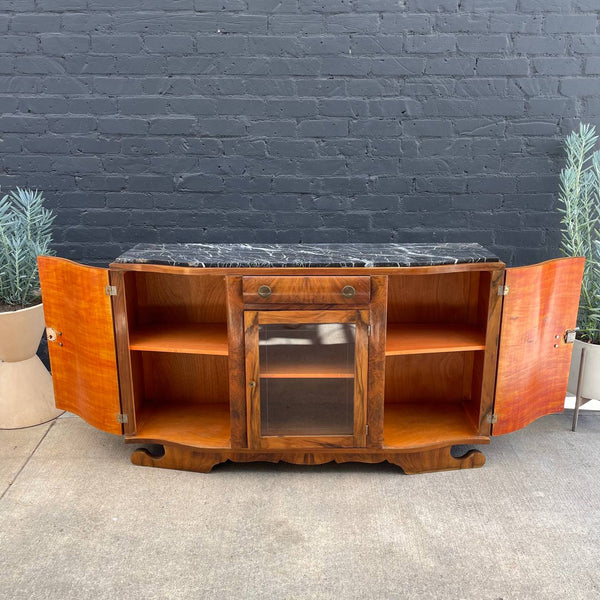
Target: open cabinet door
(534, 357)
(81, 341)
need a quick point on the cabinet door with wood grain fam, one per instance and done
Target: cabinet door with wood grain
(81, 341)
(306, 377)
(539, 307)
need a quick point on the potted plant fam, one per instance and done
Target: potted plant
(580, 207)
(26, 396)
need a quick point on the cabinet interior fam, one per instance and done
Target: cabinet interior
(179, 357)
(436, 338)
(434, 358)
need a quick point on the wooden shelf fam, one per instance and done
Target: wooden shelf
(326, 361)
(416, 425)
(428, 338)
(294, 371)
(190, 424)
(187, 338)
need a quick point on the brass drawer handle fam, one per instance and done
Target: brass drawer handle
(348, 291)
(264, 291)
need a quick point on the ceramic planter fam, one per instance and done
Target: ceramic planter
(26, 396)
(589, 387)
(590, 383)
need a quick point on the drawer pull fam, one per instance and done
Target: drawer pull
(348, 291)
(264, 291)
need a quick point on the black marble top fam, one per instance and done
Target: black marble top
(306, 255)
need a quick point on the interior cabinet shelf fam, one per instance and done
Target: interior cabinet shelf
(188, 338)
(414, 425)
(313, 371)
(427, 338)
(328, 361)
(197, 425)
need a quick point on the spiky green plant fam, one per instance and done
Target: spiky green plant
(25, 233)
(580, 208)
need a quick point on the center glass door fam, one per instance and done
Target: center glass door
(306, 377)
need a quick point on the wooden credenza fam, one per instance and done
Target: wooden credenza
(310, 354)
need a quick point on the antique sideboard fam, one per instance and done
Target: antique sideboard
(310, 353)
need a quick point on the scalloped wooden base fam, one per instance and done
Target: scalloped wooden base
(202, 461)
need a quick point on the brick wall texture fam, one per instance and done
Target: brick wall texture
(296, 120)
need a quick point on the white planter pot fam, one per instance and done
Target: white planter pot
(590, 384)
(20, 333)
(26, 396)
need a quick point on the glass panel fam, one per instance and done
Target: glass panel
(307, 378)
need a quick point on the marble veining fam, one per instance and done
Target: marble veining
(307, 255)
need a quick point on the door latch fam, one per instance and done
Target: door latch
(52, 335)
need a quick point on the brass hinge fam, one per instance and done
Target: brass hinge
(503, 290)
(122, 418)
(368, 330)
(110, 290)
(570, 336)
(492, 418)
(367, 430)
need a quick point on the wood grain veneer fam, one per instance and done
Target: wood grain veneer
(306, 290)
(254, 370)
(428, 424)
(412, 462)
(377, 341)
(236, 363)
(436, 377)
(424, 382)
(191, 379)
(83, 357)
(166, 297)
(204, 426)
(123, 305)
(485, 363)
(533, 362)
(181, 338)
(291, 370)
(448, 298)
(427, 338)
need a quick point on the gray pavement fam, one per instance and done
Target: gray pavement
(79, 521)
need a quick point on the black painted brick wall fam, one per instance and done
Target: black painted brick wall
(296, 120)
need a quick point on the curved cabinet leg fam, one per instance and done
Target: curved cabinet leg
(175, 457)
(439, 459)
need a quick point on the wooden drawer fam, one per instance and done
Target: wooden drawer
(307, 290)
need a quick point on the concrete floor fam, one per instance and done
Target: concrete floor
(78, 520)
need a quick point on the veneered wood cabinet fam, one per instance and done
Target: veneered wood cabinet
(306, 375)
(310, 364)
